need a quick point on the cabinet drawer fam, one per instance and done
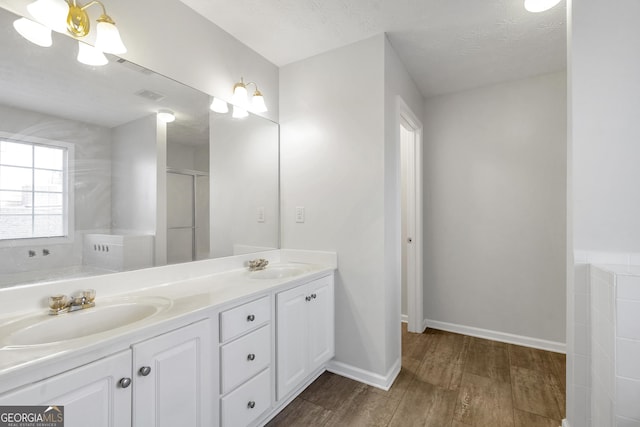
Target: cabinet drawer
(244, 357)
(241, 319)
(244, 405)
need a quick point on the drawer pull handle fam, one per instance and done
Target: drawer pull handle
(251, 404)
(251, 357)
(251, 318)
(145, 370)
(125, 382)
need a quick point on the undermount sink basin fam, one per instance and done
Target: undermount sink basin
(280, 271)
(43, 328)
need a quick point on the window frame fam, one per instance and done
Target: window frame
(68, 199)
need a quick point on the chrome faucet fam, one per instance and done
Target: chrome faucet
(59, 304)
(258, 264)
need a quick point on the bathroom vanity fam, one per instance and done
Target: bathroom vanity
(200, 344)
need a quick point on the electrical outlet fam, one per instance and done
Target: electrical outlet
(299, 213)
(260, 216)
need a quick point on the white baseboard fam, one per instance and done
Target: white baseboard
(556, 347)
(376, 380)
(404, 318)
(565, 423)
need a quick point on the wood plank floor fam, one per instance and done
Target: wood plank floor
(447, 380)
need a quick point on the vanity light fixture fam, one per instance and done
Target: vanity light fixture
(536, 6)
(90, 55)
(72, 17)
(34, 32)
(241, 97)
(219, 106)
(166, 116)
(239, 112)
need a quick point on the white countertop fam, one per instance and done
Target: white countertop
(192, 299)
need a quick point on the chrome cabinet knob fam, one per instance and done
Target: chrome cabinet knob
(307, 298)
(251, 404)
(251, 357)
(251, 318)
(145, 370)
(125, 382)
(314, 296)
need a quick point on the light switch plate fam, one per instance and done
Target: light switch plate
(299, 213)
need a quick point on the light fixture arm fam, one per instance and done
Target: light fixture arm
(78, 20)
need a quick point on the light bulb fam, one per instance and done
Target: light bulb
(108, 37)
(539, 5)
(34, 32)
(89, 55)
(166, 116)
(51, 13)
(257, 103)
(239, 95)
(239, 113)
(219, 106)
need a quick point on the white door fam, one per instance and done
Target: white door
(321, 322)
(410, 136)
(173, 379)
(291, 336)
(92, 395)
(180, 217)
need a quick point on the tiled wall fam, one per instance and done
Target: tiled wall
(615, 347)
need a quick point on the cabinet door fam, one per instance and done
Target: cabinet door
(321, 322)
(173, 378)
(91, 394)
(291, 336)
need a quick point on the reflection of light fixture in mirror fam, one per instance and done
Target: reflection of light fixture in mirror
(50, 13)
(539, 5)
(63, 16)
(34, 32)
(89, 55)
(219, 106)
(166, 116)
(241, 99)
(239, 113)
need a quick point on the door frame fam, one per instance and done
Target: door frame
(415, 309)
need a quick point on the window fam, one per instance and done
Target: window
(33, 189)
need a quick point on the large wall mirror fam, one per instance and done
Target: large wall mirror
(92, 181)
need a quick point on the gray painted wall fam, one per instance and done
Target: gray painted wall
(495, 197)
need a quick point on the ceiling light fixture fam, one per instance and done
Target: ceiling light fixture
(536, 6)
(219, 106)
(166, 116)
(241, 97)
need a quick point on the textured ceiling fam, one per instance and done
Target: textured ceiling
(447, 45)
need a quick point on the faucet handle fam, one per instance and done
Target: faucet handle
(58, 302)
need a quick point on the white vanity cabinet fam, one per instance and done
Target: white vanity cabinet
(172, 378)
(304, 332)
(91, 394)
(245, 362)
(164, 381)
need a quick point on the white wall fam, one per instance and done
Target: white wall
(332, 164)
(92, 175)
(604, 101)
(134, 181)
(495, 198)
(168, 37)
(244, 177)
(340, 161)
